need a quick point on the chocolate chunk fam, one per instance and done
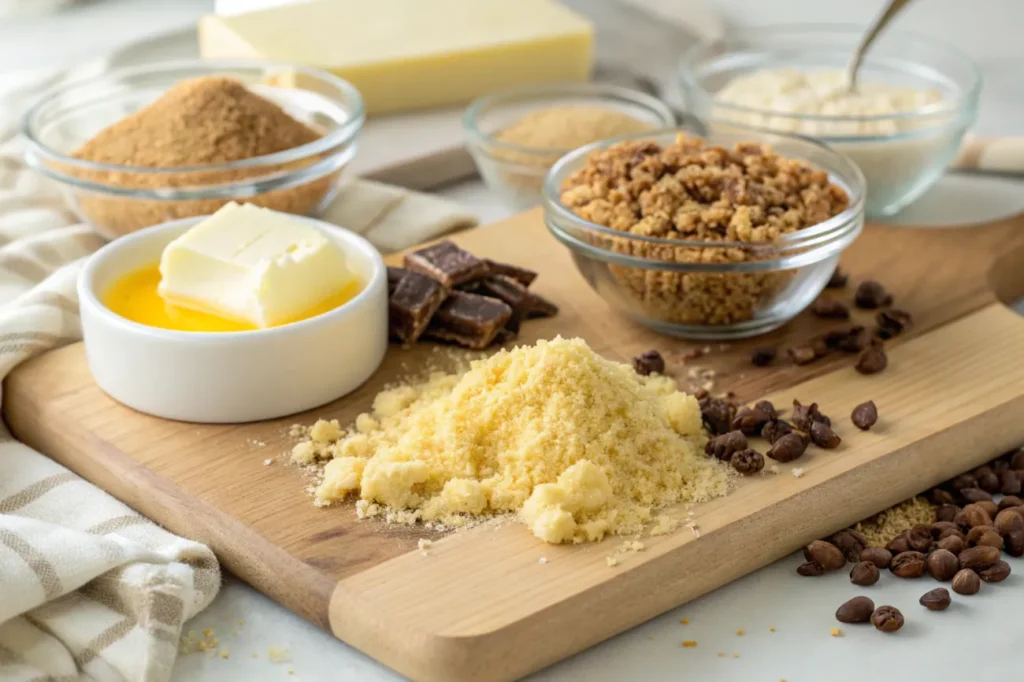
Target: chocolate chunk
(415, 300)
(871, 295)
(891, 322)
(830, 308)
(395, 276)
(505, 289)
(470, 320)
(446, 263)
(873, 360)
(838, 279)
(649, 362)
(521, 275)
(802, 355)
(762, 356)
(541, 307)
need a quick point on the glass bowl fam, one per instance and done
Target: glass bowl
(901, 155)
(515, 172)
(116, 199)
(709, 289)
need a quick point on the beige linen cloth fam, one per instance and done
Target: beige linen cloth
(89, 589)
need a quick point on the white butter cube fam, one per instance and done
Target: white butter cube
(253, 265)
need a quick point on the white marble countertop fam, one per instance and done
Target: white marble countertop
(982, 630)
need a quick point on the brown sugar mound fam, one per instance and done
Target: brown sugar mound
(206, 121)
(689, 190)
(199, 122)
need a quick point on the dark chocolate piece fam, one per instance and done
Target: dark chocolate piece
(541, 307)
(415, 300)
(395, 276)
(505, 289)
(521, 275)
(447, 263)
(469, 320)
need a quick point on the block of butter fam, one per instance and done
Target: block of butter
(411, 54)
(253, 265)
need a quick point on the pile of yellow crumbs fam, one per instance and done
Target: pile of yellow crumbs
(575, 445)
(885, 526)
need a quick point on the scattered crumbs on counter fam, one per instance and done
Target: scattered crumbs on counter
(193, 642)
(255, 655)
(290, 671)
(267, 462)
(278, 655)
(225, 653)
(241, 621)
(798, 472)
(772, 468)
(612, 561)
(631, 546)
(836, 632)
(424, 546)
(664, 525)
(771, 629)
(684, 621)
(689, 644)
(735, 655)
(740, 632)
(721, 654)
(542, 560)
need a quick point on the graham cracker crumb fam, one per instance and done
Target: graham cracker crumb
(836, 632)
(798, 472)
(278, 655)
(689, 644)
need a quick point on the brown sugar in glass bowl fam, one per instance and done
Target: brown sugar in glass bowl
(721, 238)
(140, 146)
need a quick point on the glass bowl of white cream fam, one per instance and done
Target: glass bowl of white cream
(902, 125)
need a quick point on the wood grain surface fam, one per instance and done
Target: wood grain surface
(481, 606)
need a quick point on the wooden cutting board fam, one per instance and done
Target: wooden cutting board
(481, 606)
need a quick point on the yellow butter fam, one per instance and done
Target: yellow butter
(411, 54)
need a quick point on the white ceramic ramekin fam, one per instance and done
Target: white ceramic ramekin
(231, 377)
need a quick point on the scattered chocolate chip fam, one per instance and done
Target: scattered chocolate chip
(943, 565)
(975, 495)
(946, 512)
(996, 573)
(1015, 543)
(810, 569)
(871, 295)
(1010, 501)
(717, 415)
(873, 360)
(887, 619)
(853, 340)
(988, 481)
(966, 581)
(865, 415)
(892, 322)
(762, 356)
(830, 308)
(747, 462)
(750, 420)
(857, 610)
(825, 554)
(802, 355)
(787, 448)
(908, 565)
(936, 600)
(984, 536)
(878, 556)
(722, 447)
(838, 279)
(650, 362)
(1009, 483)
(767, 407)
(951, 543)
(804, 415)
(823, 436)
(864, 573)
(898, 544)
(978, 558)
(775, 429)
(851, 543)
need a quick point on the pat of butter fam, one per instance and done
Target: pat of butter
(252, 265)
(410, 54)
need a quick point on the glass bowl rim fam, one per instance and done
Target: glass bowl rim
(472, 114)
(837, 224)
(339, 136)
(966, 99)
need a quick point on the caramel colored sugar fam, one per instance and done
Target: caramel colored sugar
(887, 525)
(689, 190)
(202, 122)
(577, 445)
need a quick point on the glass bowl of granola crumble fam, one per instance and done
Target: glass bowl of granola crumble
(719, 238)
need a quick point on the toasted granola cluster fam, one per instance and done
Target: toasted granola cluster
(688, 190)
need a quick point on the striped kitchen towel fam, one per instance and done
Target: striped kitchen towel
(88, 588)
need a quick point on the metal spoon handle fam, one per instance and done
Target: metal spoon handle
(858, 56)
